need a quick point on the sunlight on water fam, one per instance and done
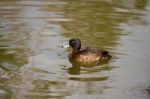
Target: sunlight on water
(33, 64)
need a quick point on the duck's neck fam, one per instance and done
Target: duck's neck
(74, 51)
(72, 54)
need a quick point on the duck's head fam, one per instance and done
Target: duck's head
(75, 43)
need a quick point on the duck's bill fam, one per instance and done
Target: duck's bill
(65, 46)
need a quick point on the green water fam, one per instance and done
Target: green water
(34, 66)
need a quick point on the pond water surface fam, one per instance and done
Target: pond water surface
(34, 66)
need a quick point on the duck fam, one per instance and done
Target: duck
(86, 55)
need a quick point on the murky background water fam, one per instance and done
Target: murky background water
(34, 66)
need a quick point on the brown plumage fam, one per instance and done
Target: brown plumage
(86, 55)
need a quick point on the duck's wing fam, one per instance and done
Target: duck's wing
(88, 50)
(95, 52)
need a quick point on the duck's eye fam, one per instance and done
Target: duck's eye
(73, 42)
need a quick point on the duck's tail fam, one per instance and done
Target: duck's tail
(106, 55)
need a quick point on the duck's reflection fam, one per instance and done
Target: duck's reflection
(74, 70)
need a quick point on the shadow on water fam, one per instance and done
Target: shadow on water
(31, 61)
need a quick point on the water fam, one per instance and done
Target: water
(34, 66)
